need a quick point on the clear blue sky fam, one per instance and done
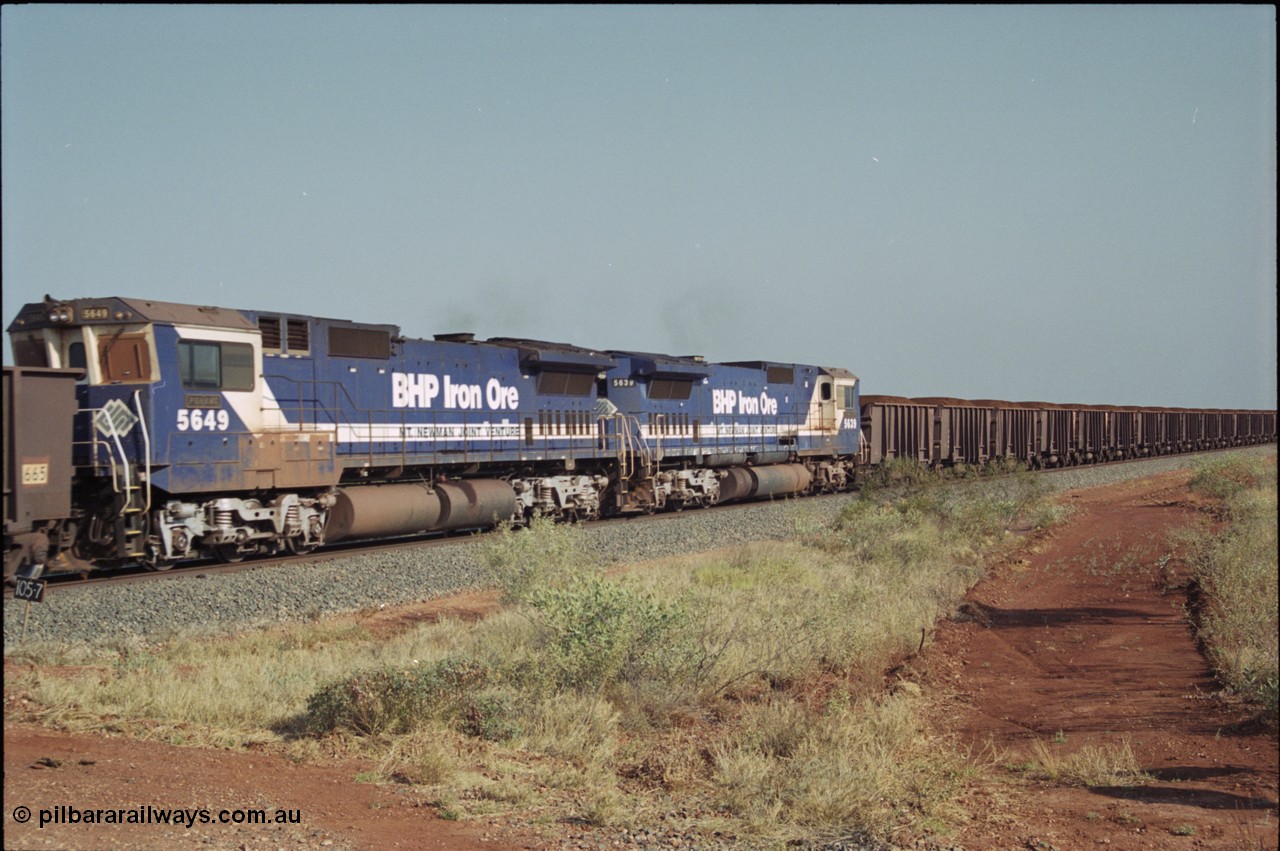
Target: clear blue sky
(1073, 204)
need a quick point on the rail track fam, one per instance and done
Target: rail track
(215, 599)
(334, 552)
(71, 581)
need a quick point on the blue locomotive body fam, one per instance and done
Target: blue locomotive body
(212, 431)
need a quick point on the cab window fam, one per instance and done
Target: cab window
(850, 397)
(215, 366)
(29, 350)
(75, 356)
(76, 359)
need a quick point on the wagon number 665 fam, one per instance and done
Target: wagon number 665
(199, 420)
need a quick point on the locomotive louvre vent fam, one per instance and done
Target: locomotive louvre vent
(298, 336)
(780, 375)
(553, 382)
(280, 334)
(669, 388)
(269, 326)
(359, 343)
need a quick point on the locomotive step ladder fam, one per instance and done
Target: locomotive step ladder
(635, 464)
(634, 455)
(132, 486)
(131, 521)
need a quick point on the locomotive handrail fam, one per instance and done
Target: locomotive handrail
(124, 459)
(146, 440)
(95, 448)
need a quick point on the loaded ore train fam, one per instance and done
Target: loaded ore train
(147, 432)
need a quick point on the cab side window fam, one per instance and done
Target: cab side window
(215, 366)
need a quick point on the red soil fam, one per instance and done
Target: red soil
(1087, 641)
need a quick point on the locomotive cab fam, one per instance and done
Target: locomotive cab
(834, 407)
(135, 441)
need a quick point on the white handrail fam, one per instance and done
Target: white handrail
(124, 459)
(146, 439)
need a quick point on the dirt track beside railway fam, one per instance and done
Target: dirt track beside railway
(1086, 642)
(1082, 642)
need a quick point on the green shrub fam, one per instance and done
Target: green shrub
(390, 700)
(898, 475)
(598, 631)
(491, 716)
(544, 554)
(1224, 478)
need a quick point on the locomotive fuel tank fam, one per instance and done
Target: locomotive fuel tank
(382, 511)
(759, 482)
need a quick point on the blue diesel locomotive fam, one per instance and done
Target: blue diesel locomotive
(203, 431)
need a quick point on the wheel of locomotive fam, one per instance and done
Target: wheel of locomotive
(228, 553)
(295, 546)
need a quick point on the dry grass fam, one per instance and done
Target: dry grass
(601, 697)
(866, 769)
(1237, 573)
(425, 758)
(1091, 765)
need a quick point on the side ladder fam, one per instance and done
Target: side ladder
(132, 486)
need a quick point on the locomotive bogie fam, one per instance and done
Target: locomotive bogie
(690, 488)
(236, 526)
(561, 497)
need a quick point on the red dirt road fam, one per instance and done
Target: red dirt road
(1086, 642)
(116, 773)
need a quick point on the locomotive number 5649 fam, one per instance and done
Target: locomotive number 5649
(199, 420)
